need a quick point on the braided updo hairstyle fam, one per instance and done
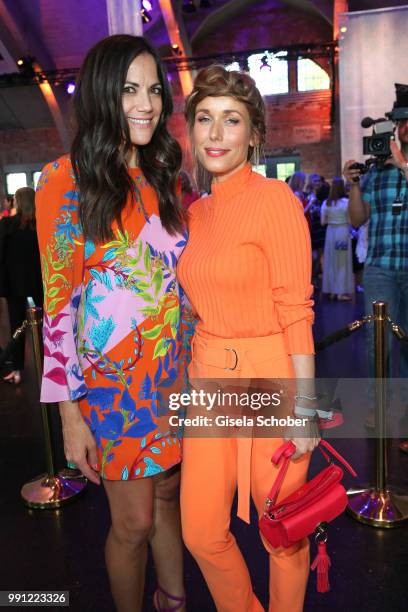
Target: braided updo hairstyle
(216, 81)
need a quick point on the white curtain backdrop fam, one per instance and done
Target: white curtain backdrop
(373, 56)
(124, 17)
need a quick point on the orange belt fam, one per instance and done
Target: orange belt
(237, 358)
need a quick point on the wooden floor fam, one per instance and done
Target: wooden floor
(63, 550)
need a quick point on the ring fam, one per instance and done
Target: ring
(71, 465)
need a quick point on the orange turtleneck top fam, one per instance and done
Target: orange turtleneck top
(246, 268)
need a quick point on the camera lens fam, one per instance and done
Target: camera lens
(377, 145)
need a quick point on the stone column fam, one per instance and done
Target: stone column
(340, 6)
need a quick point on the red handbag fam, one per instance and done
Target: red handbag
(308, 509)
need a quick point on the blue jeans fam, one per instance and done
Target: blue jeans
(390, 286)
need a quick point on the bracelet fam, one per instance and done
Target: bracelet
(307, 412)
(311, 398)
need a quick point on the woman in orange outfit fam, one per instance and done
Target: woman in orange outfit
(246, 270)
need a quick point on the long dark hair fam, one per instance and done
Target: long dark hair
(337, 190)
(102, 141)
(297, 182)
(24, 199)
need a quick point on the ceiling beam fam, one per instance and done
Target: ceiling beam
(20, 41)
(178, 40)
(55, 110)
(14, 44)
(11, 40)
(7, 61)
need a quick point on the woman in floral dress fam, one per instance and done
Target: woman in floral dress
(110, 231)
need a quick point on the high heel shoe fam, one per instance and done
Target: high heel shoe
(14, 378)
(329, 419)
(179, 601)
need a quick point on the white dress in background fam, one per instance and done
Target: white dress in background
(337, 263)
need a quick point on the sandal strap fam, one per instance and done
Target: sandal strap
(179, 601)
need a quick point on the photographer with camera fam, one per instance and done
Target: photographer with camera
(382, 197)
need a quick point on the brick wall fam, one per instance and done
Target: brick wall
(297, 124)
(27, 147)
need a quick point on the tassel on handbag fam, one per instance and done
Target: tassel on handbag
(322, 564)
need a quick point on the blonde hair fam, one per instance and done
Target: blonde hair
(216, 81)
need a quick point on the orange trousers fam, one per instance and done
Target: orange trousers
(213, 468)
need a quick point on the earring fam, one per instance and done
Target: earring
(256, 155)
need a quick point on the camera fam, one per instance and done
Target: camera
(378, 144)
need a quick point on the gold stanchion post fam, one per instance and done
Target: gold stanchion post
(49, 490)
(380, 506)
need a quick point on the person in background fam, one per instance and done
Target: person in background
(188, 193)
(313, 186)
(20, 270)
(297, 184)
(8, 208)
(337, 258)
(316, 192)
(323, 191)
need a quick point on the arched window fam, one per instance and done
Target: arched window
(270, 72)
(310, 76)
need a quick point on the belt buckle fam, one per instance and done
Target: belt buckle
(236, 358)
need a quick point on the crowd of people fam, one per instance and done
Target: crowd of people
(338, 248)
(127, 264)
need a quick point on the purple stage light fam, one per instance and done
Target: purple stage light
(70, 88)
(147, 5)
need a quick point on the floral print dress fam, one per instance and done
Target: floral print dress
(113, 320)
